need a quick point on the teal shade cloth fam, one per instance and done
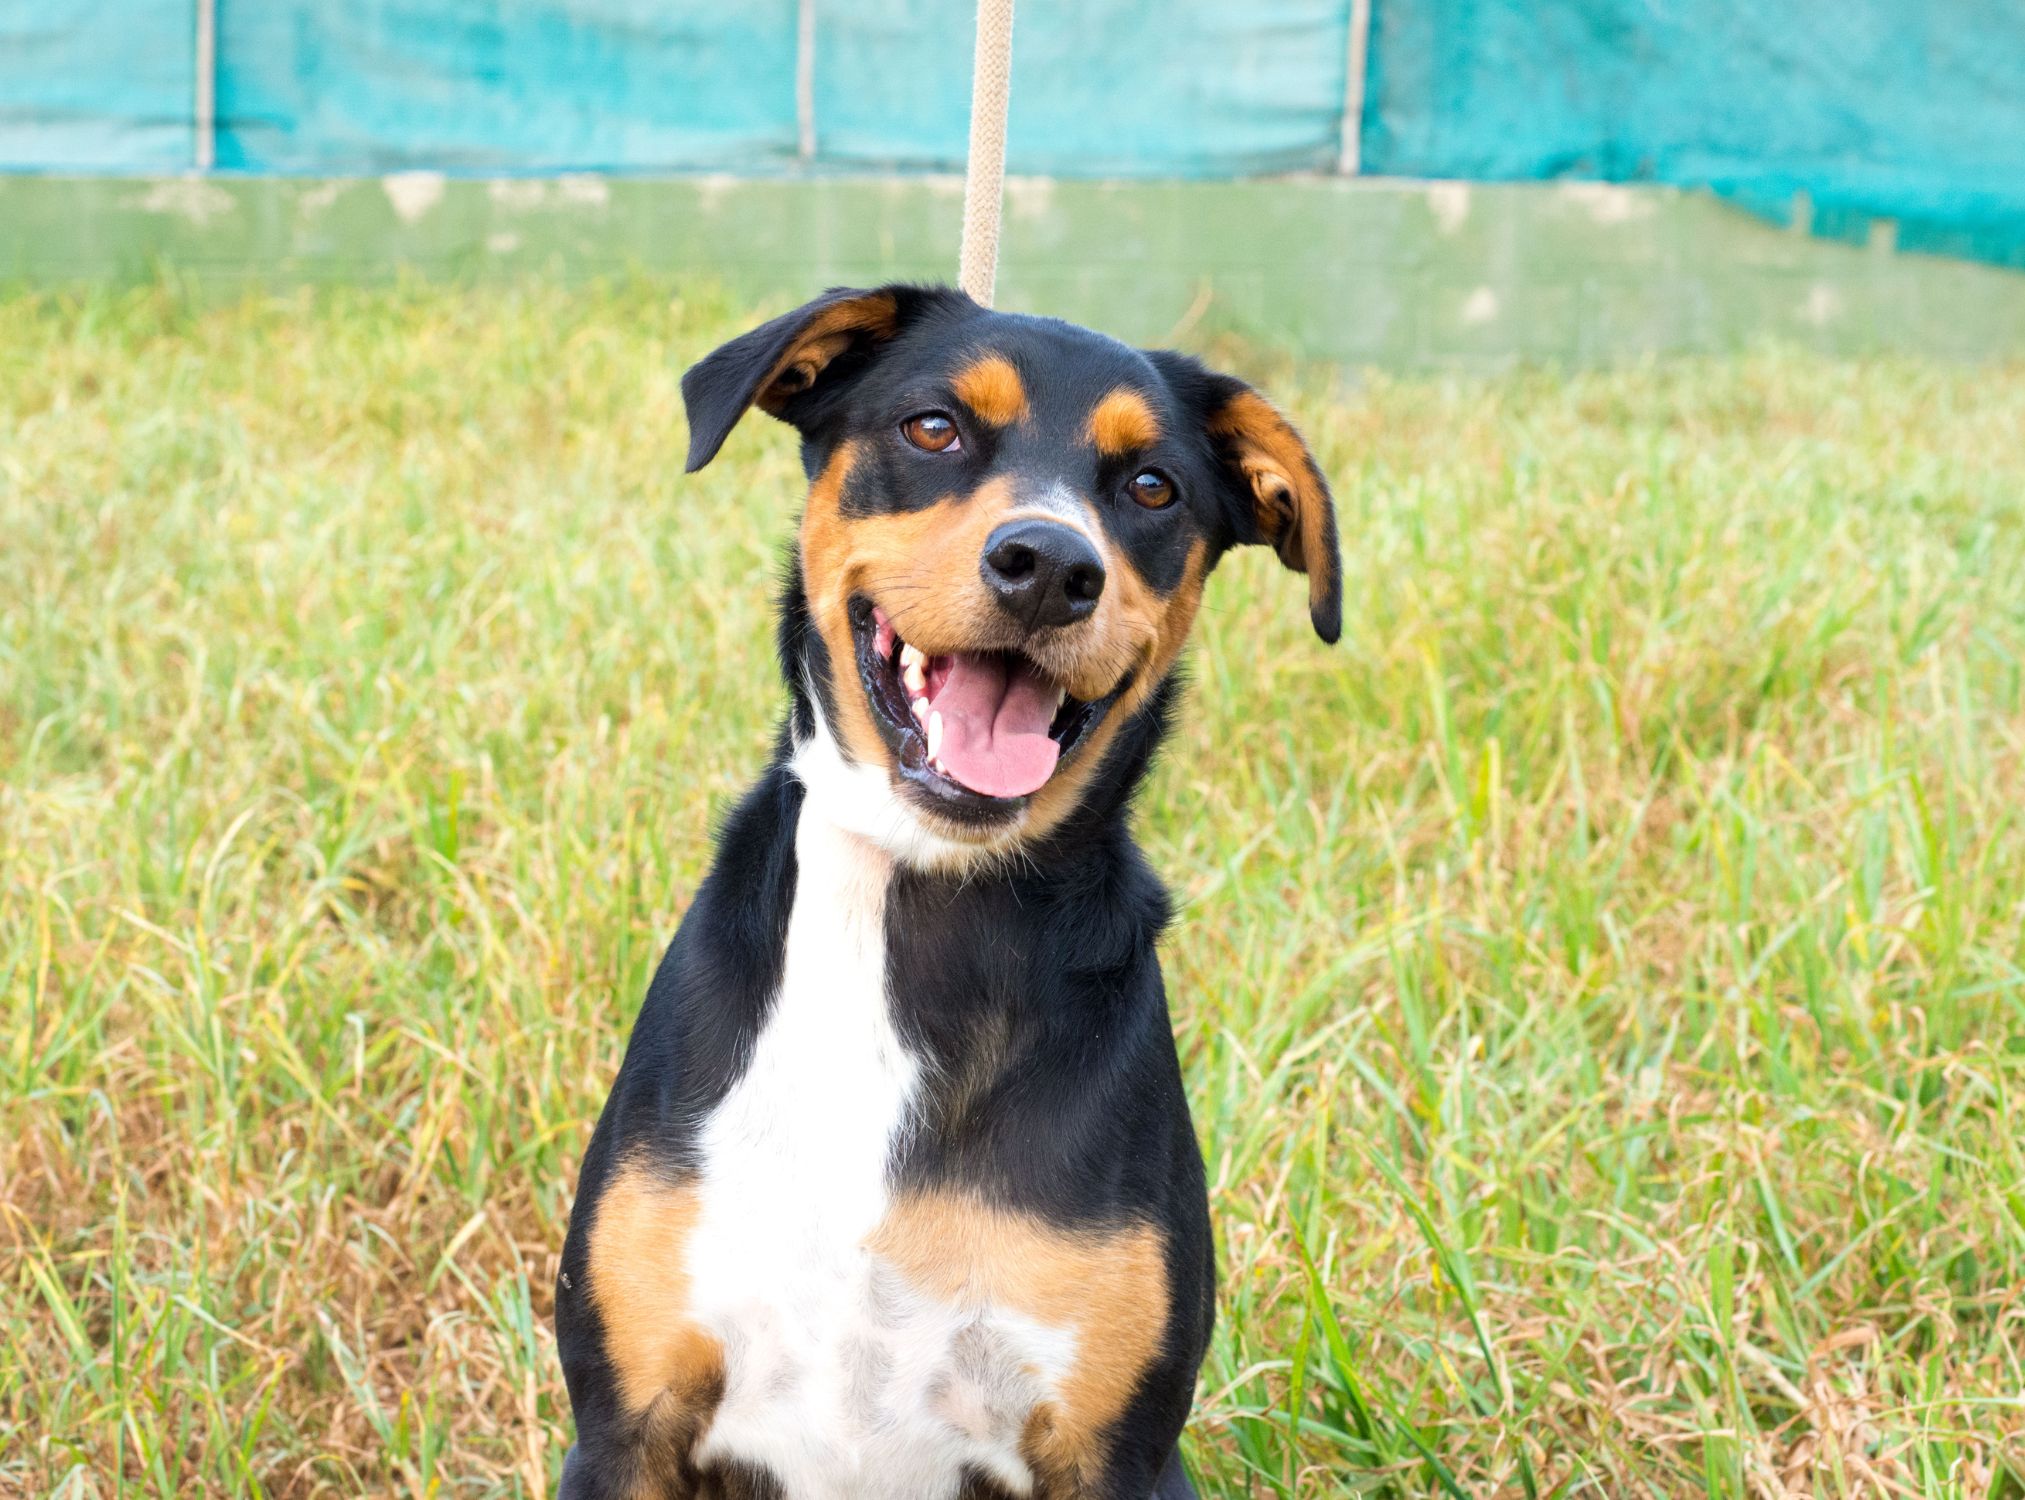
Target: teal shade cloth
(1907, 110)
(505, 86)
(97, 87)
(1186, 88)
(1846, 111)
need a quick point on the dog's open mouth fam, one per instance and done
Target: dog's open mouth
(980, 731)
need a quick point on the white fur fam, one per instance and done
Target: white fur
(1059, 503)
(842, 1380)
(860, 798)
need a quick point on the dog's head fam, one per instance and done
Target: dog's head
(1007, 532)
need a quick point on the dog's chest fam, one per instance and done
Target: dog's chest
(843, 1375)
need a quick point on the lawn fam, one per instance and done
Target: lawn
(1600, 980)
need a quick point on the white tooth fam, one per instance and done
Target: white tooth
(910, 656)
(934, 733)
(920, 707)
(1061, 697)
(914, 677)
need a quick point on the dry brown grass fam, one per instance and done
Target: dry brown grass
(1601, 981)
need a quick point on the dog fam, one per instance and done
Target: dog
(896, 1194)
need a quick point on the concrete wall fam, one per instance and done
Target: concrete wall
(1398, 274)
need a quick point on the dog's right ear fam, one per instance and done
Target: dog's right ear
(782, 360)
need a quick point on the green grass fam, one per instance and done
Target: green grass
(1601, 980)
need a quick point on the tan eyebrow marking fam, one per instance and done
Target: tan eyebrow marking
(1123, 422)
(991, 387)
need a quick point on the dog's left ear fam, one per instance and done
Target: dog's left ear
(1281, 497)
(780, 361)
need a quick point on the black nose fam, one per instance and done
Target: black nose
(1041, 572)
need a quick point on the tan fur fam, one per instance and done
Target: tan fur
(1288, 495)
(1123, 423)
(992, 388)
(829, 334)
(829, 568)
(641, 1291)
(1161, 622)
(1110, 1286)
(921, 568)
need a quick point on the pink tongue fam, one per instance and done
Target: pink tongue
(995, 726)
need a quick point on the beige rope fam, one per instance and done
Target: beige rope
(984, 181)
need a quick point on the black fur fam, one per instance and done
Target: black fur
(1049, 968)
(1031, 989)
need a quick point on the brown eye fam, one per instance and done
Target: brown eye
(932, 432)
(1151, 488)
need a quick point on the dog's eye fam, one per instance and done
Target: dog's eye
(932, 432)
(1152, 489)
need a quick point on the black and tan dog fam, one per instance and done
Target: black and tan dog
(896, 1195)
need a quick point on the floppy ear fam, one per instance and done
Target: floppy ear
(779, 361)
(1284, 500)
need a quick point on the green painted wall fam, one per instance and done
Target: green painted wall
(1396, 274)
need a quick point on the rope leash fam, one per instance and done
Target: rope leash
(984, 177)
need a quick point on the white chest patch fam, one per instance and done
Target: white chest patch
(841, 1378)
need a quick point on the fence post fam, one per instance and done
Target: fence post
(204, 151)
(1350, 148)
(805, 80)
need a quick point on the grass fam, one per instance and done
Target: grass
(1601, 980)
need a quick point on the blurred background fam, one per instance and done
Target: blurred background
(1403, 182)
(1599, 981)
